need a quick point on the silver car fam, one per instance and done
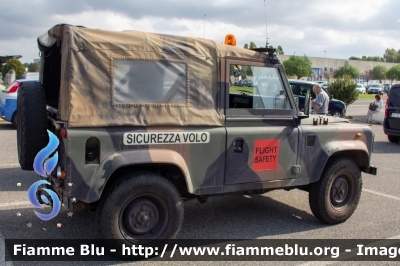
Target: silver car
(361, 89)
(375, 89)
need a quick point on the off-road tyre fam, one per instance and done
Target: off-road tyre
(141, 198)
(334, 198)
(393, 139)
(32, 123)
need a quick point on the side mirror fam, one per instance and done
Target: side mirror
(307, 107)
(296, 101)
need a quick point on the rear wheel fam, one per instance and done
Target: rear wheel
(337, 113)
(393, 139)
(31, 123)
(334, 198)
(144, 208)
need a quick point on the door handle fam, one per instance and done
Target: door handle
(238, 144)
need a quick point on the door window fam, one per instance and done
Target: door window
(254, 87)
(305, 89)
(294, 89)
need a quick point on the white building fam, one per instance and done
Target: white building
(324, 67)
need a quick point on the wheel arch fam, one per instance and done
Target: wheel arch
(167, 163)
(358, 152)
(360, 157)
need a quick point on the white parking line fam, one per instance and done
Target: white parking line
(9, 165)
(381, 194)
(394, 237)
(17, 203)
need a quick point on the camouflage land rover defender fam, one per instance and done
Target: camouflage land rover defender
(146, 121)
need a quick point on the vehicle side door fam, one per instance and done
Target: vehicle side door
(393, 118)
(262, 138)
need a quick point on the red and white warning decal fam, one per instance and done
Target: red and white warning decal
(266, 154)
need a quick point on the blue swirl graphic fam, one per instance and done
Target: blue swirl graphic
(39, 164)
(44, 167)
(35, 202)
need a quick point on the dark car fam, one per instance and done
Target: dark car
(301, 88)
(241, 82)
(386, 87)
(391, 123)
(248, 83)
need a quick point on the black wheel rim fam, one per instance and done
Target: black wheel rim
(341, 191)
(143, 218)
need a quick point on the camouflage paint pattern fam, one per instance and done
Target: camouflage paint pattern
(214, 167)
(203, 165)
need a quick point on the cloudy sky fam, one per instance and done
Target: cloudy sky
(342, 28)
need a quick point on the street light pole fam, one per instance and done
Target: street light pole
(324, 61)
(204, 28)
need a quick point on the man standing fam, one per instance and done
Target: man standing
(321, 102)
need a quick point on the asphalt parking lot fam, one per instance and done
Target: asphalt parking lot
(274, 215)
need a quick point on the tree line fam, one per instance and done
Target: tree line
(390, 56)
(343, 87)
(379, 72)
(300, 66)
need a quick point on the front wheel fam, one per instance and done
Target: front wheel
(334, 198)
(142, 209)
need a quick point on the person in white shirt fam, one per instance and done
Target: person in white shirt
(9, 77)
(378, 103)
(321, 102)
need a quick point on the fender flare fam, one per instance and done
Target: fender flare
(338, 146)
(134, 157)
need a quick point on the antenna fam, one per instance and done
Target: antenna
(205, 24)
(266, 28)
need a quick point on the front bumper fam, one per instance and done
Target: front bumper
(375, 92)
(372, 170)
(8, 109)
